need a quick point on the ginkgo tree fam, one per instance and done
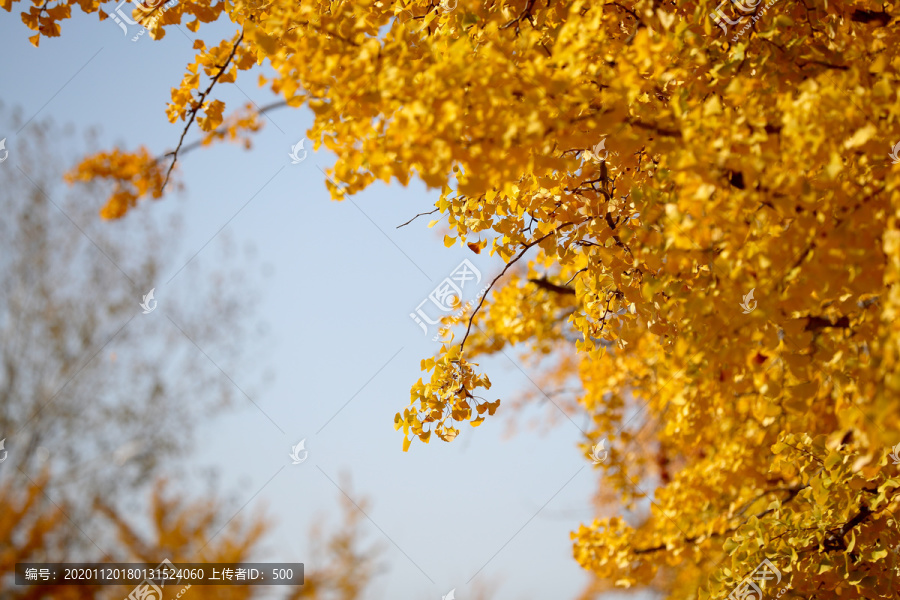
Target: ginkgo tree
(700, 222)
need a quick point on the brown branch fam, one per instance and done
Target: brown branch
(660, 130)
(513, 261)
(626, 9)
(198, 106)
(822, 63)
(578, 272)
(807, 452)
(544, 283)
(803, 255)
(816, 323)
(603, 319)
(867, 16)
(863, 514)
(197, 143)
(637, 27)
(334, 34)
(652, 549)
(40, 13)
(837, 544)
(525, 13)
(792, 493)
(416, 217)
(615, 236)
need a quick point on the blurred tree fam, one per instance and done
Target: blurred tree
(89, 386)
(181, 531)
(86, 427)
(33, 530)
(348, 568)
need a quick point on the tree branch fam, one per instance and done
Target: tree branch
(660, 130)
(416, 217)
(546, 284)
(524, 14)
(816, 323)
(867, 16)
(513, 261)
(197, 143)
(792, 493)
(198, 106)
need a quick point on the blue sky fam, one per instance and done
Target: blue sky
(338, 282)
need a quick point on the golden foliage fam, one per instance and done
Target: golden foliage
(34, 530)
(39, 530)
(135, 175)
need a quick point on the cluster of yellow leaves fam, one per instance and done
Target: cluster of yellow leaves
(42, 18)
(837, 535)
(40, 531)
(220, 64)
(33, 532)
(187, 531)
(137, 174)
(447, 398)
(824, 522)
(759, 164)
(134, 175)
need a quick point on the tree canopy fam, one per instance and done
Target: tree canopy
(701, 226)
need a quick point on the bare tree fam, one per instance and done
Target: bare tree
(93, 389)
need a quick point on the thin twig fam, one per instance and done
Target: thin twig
(197, 143)
(417, 216)
(515, 259)
(525, 13)
(198, 106)
(553, 287)
(576, 275)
